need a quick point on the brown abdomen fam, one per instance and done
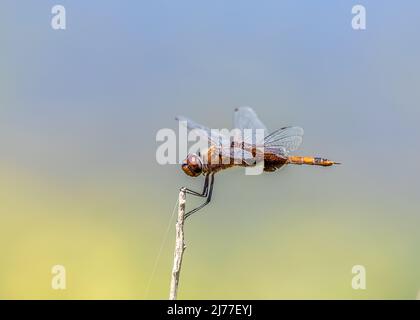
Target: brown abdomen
(272, 162)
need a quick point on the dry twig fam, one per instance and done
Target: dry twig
(179, 246)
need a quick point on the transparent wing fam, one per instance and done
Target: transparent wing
(238, 155)
(246, 118)
(220, 141)
(284, 140)
(215, 138)
(278, 150)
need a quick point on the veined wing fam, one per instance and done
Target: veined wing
(284, 140)
(239, 155)
(213, 137)
(217, 140)
(246, 118)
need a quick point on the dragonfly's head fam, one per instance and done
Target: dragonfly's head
(192, 165)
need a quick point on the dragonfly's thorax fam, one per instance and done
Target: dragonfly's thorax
(214, 161)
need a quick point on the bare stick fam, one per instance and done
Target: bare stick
(179, 246)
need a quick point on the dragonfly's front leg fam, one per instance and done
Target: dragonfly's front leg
(210, 191)
(203, 194)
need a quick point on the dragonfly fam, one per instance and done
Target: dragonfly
(245, 150)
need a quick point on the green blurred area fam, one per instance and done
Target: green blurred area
(108, 243)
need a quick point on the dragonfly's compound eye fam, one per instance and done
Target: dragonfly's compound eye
(192, 165)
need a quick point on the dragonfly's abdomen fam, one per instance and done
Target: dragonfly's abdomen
(272, 162)
(312, 161)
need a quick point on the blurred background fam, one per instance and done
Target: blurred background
(80, 185)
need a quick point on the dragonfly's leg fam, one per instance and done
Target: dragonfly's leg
(210, 191)
(203, 194)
